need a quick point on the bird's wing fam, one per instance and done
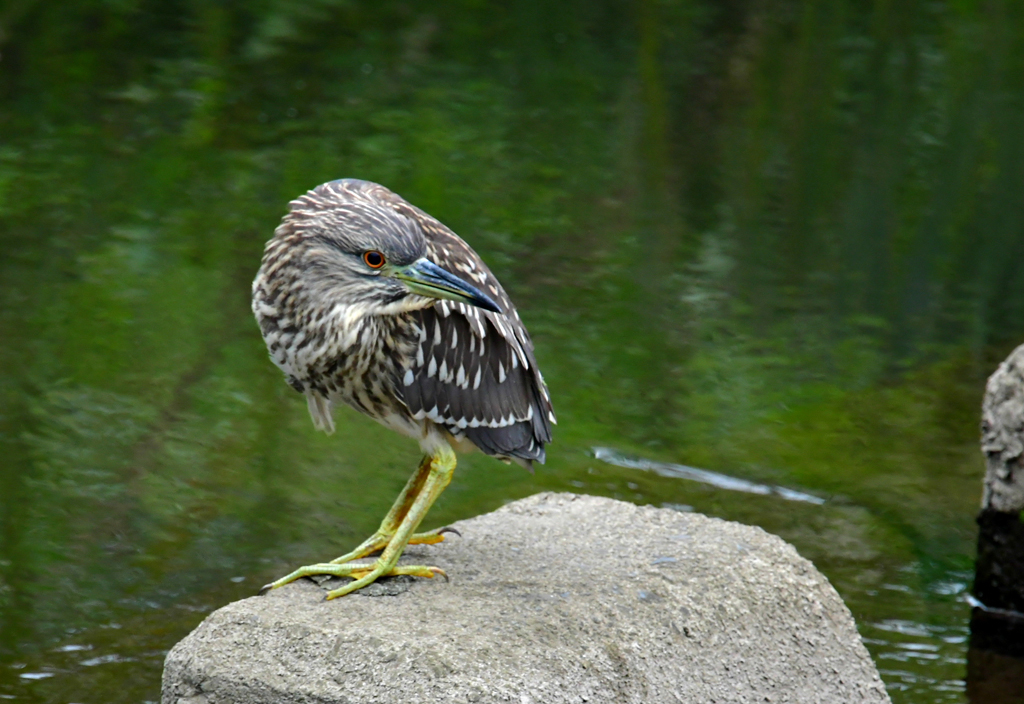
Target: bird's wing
(474, 371)
(475, 387)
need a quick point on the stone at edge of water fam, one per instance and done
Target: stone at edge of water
(996, 656)
(1002, 436)
(553, 598)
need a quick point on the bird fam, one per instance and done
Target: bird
(365, 300)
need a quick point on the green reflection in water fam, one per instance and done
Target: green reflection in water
(779, 240)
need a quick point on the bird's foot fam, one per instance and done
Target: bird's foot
(361, 574)
(379, 540)
(395, 532)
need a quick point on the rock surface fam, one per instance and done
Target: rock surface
(1002, 436)
(997, 619)
(554, 598)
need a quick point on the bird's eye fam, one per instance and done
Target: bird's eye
(374, 259)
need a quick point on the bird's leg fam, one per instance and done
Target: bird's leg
(439, 475)
(388, 527)
(421, 496)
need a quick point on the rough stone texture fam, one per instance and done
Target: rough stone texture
(1002, 436)
(997, 624)
(554, 598)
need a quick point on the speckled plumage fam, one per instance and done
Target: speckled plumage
(439, 371)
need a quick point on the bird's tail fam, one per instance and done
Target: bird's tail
(320, 412)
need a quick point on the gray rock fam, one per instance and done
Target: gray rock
(1002, 436)
(997, 624)
(554, 598)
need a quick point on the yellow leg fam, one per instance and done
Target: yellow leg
(380, 539)
(412, 505)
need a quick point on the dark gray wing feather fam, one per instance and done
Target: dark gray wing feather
(480, 391)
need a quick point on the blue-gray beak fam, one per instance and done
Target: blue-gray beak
(428, 279)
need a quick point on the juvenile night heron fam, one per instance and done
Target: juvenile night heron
(366, 300)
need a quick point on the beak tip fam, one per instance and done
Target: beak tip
(488, 304)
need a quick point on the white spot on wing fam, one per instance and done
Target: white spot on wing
(476, 381)
(501, 372)
(432, 369)
(408, 377)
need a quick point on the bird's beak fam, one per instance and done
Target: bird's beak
(425, 278)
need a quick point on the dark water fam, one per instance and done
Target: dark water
(780, 241)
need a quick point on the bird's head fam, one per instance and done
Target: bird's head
(371, 259)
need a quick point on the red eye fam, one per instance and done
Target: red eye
(374, 259)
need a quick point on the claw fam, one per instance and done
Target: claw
(448, 529)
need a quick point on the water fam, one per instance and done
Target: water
(777, 243)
